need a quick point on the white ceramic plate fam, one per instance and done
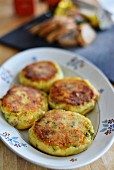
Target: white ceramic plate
(102, 116)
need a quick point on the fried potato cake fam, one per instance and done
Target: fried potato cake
(41, 75)
(62, 133)
(74, 94)
(23, 105)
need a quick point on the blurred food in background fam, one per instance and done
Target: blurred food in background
(73, 23)
(65, 31)
(97, 17)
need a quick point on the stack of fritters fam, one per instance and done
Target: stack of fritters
(63, 131)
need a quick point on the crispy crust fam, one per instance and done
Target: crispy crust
(40, 71)
(62, 133)
(23, 105)
(73, 94)
(41, 74)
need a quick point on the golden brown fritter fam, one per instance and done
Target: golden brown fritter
(73, 94)
(62, 133)
(41, 74)
(23, 105)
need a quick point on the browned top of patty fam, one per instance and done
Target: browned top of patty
(42, 70)
(22, 98)
(71, 91)
(62, 128)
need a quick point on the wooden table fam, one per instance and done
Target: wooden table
(8, 159)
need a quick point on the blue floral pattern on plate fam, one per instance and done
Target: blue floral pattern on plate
(101, 90)
(108, 126)
(76, 63)
(12, 140)
(6, 75)
(34, 58)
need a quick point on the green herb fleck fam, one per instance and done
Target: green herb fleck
(73, 124)
(87, 135)
(75, 146)
(55, 124)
